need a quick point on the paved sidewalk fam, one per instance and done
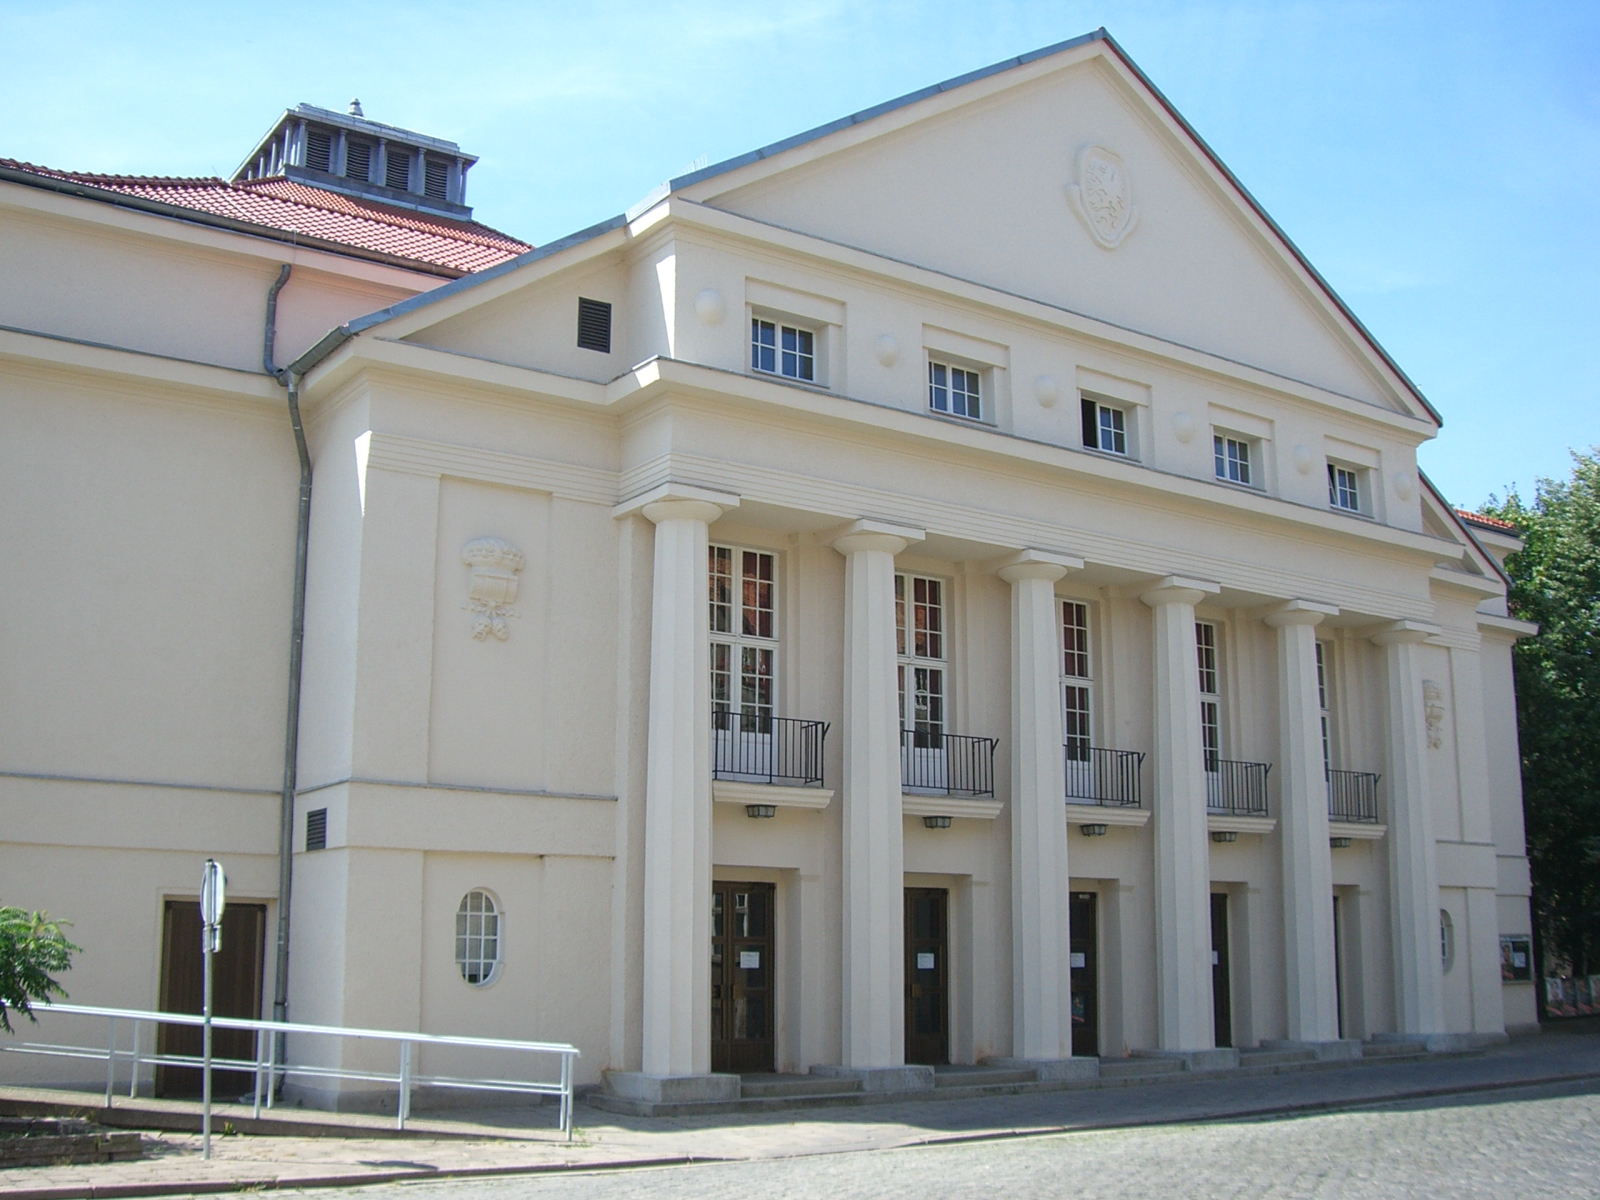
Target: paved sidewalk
(510, 1143)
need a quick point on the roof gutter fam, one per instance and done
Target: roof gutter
(177, 212)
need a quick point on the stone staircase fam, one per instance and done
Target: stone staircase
(773, 1092)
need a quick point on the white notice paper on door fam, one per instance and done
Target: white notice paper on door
(1078, 959)
(749, 960)
(924, 960)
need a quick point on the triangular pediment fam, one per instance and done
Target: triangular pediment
(1068, 180)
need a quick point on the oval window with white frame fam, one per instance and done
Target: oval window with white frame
(1447, 940)
(478, 940)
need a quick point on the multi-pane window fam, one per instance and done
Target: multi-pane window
(1205, 641)
(1104, 427)
(744, 635)
(781, 349)
(1344, 489)
(919, 633)
(478, 938)
(1075, 680)
(1322, 704)
(954, 390)
(1232, 457)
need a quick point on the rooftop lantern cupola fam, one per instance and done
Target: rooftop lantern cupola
(346, 152)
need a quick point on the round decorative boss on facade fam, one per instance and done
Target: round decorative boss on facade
(1045, 391)
(887, 350)
(1183, 427)
(708, 306)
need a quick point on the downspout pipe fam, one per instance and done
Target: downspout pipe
(297, 633)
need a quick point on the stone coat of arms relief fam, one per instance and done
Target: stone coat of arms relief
(1103, 197)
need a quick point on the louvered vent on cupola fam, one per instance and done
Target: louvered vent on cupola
(436, 178)
(594, 325)
(319, 149)
(397, 169)
(357, 159)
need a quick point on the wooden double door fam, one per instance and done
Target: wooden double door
(742, 979)
(236, 972)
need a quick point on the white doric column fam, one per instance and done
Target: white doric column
(1413, 874)
(1309, 975)
(1183, 857)
(1041, 989)
(677, 820)
(874, 1034)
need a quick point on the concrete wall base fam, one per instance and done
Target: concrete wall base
(1444, 1043)
(1333, 1051)
(1223, 1058)
(671, 1089)
(882, 1079)
(1050, 1070)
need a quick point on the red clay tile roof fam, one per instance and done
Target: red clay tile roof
(1466, 514)
(460, 247)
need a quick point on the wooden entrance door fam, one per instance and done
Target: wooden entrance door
(1085, 976)
(1221, 992)
(1338, 963)
(927, 976)
(235, 992)
(741, 977)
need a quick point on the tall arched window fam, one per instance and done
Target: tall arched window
(478, 938)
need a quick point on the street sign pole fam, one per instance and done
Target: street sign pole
(213, 902)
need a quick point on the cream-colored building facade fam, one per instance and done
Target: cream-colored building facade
(962, 564)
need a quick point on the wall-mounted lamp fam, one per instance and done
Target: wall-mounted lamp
(760, 810)
(1092, 830)
(1224, 835)
(1338, 843)
(936, 822)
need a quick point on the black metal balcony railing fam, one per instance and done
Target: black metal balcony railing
(1106, 777)
(947, 762)
(1353, 796)
(764, 749)
(1238, 789)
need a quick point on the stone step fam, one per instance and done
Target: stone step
(1262, 1057)
(1139, 1068)
(767, 1086)
(947, 1077)
(1393, 1050)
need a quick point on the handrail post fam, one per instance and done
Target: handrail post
(272, 1068)
(404, 1105)
(133, 1082)
(566, 1094)
(111, 1059)
(255, 1112)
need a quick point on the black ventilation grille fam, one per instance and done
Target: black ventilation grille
(436, 178)
(397, 170)
(594, 325)
(317, 829)
(319, 147)
(357, 160)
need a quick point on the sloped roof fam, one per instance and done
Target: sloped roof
(1495, 523)
(328, 219)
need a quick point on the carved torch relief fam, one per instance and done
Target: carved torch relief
(493, 586)
(1102, 197)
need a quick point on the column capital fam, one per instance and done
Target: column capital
(1037, 564)
(678, 500)
(1179, 589)
(1402, 632)
(868, 534)
(1299, 612)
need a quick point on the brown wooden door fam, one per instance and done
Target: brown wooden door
(1221, 989)
(235, 992)
(741, 977)
(927, 976)
(1085, 976)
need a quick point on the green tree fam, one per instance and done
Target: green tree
(31, 947)
(1555, 580)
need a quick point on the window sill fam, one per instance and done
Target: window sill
(775, 377)
(1255, 488)
(957, 419)
(1114, 455)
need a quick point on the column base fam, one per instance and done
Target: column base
(1051, 1070)
(671, 1089)
(882, 1079)
(1222, 1058)
(1337, 1050)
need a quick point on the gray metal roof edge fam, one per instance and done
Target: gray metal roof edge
(343, 333)
(878, 110)
(1277, 229)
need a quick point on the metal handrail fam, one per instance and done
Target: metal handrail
(1095, 775)
(761, 748)
(266, 1069)
(1353, 796)
(1238, 789)
(951, 763)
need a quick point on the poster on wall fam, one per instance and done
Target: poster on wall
(1516, 959)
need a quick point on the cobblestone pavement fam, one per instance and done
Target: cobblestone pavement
(521, 1141)
(1541, 1142)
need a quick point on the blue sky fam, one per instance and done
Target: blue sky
(1439, 163)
